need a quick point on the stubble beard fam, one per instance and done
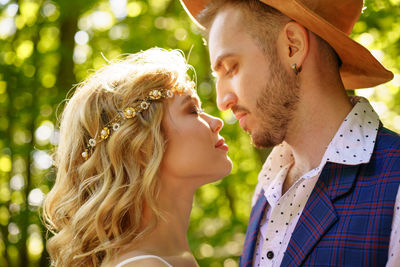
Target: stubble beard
(275, 106)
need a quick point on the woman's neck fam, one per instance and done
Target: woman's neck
(169, 238)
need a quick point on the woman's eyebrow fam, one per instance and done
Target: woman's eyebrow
(186, 99)
(189, 98)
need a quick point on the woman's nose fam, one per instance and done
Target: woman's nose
(215, 123)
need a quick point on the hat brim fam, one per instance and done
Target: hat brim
(359, 69)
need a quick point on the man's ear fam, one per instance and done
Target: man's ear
(293, 44)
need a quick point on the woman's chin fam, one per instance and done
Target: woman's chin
(224, 171)
(229, 167)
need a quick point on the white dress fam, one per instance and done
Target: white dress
(122, 263)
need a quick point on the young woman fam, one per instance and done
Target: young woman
(134, 147)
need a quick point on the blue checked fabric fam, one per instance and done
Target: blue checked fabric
(347, 219)
(253, 227)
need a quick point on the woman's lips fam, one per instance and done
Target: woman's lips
(221, 145)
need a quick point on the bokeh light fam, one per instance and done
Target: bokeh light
(81, 37)
(44, 132)
(17, 182)
(118, 7)
(42, 160)
(12, 10)
(35, 197)
(7, 27)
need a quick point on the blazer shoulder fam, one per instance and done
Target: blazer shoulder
(388, 140)
(386, 153)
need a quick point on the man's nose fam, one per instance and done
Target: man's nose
(226, 98)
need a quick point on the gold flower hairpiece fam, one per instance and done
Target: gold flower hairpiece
(127, 113)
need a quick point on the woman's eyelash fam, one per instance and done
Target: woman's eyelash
(196, 110)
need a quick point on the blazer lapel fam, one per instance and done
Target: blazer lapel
(319, 213)
(253, 227)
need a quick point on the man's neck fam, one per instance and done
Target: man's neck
(319, 116)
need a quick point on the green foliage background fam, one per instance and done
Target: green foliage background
(47, 46)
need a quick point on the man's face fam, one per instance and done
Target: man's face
(260, 92)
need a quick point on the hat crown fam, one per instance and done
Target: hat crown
(333, 21)
(342, 14)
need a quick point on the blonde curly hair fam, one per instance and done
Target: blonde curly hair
(95, 207)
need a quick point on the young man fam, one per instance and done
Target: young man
(328, 194)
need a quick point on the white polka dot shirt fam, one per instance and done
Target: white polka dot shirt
(353, 144)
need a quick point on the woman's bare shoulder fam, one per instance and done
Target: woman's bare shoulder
(147, 262)
(135, 259)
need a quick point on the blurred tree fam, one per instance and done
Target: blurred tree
(47, 46)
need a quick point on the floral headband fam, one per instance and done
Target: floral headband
(127, 113)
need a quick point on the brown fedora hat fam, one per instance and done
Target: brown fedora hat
(333, 21)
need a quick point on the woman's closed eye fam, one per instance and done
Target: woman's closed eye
(196, 110)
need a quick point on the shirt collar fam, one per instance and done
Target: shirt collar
(355, 140)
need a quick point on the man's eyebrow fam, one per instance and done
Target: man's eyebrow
(219, 60)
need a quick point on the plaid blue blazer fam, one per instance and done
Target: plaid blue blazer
(347, 219)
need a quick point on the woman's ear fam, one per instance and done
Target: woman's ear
(293, 44)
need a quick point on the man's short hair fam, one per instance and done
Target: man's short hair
(263, 23)
(257, 16)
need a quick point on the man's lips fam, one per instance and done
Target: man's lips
(221, 144)
(238, 116)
